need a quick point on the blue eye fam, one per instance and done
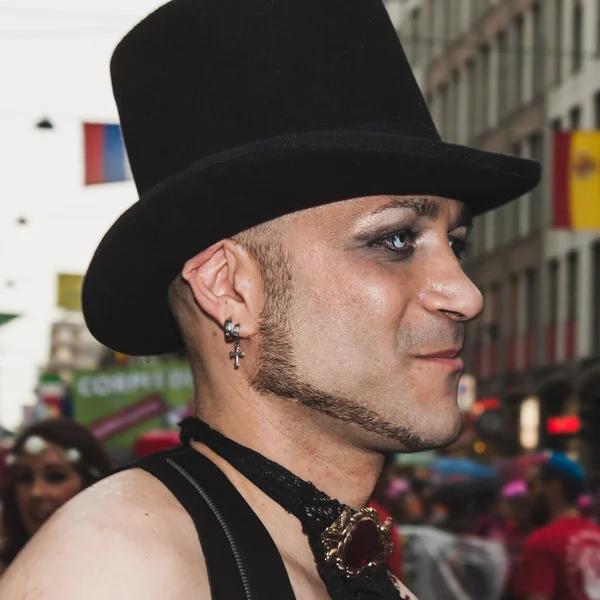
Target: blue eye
(400, 242)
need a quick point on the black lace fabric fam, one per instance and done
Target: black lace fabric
(315, 510)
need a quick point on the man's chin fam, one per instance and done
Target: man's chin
(432, 440)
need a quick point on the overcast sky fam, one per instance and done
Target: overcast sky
(54, 60)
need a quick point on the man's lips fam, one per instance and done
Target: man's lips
(445, 353)
(447, 357)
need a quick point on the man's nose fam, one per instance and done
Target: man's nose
(451, 292)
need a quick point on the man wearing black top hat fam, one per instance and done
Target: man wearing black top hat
(299, 230)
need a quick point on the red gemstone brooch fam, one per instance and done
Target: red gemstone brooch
(357, 543)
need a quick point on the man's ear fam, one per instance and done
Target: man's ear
(227, 284)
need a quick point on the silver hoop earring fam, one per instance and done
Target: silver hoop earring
(232, 334)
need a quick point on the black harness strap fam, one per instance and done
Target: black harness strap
(242, 560)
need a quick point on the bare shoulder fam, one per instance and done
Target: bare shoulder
(124, 538)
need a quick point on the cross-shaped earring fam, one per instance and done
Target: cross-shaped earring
(232, 334)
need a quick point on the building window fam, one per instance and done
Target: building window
(558, 40)
(472, 99)
(499, 224)
(444, 112)
(538, 50)
(64, 336)
(481, 234)
(484, 97)
(509, 218)
(447, 9)
(514, 222)
(454, 18)
(519, 62)
(577, 56)
(535, 199)
(430, 43)
(63, 355)
(513, 316)
(572, 281)
(503, 86)
(575, 117)
(553, 268)
(456, 120)
(470, 15)
(480, 323)
(495, 313)
(532, 308)
(416, 35)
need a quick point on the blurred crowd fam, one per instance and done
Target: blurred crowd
(463, 530)
(485, 537)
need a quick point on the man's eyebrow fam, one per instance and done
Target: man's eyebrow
(427, 208)
(422, 207)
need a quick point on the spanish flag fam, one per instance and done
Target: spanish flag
(576, 180)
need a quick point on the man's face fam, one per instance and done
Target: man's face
(368, 316)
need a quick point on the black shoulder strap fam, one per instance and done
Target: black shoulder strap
(242, 560)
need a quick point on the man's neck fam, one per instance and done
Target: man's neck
(300, 440)
(291, 436)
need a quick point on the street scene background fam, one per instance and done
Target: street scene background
(519, 77)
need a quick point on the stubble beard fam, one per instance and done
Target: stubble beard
(277, 372)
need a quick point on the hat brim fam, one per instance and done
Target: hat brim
(125, 289)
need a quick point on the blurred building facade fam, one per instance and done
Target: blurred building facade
(502, 75)
(72, 347)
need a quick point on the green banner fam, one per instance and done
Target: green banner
(416, 459)
(5, 318)
(120, 404)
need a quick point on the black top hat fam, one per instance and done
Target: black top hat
(235, 112)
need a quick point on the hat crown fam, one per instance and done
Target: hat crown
(201, 77)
